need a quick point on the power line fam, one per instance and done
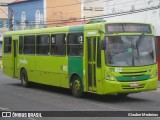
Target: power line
(108, 15)
(64, 5)
(121, 3)
(114, 15)
(122, 13)
(144, 3)
(84, 2)
(105, 16)
(130, 12)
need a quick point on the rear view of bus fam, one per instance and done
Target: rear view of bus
(130, 58)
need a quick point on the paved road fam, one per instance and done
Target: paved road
(13, 97)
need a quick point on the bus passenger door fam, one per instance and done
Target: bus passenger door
(93, 63)
(15, 58)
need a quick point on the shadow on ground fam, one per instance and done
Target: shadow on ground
(88, 96)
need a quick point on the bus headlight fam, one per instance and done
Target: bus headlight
(110, 77)
(154, 74)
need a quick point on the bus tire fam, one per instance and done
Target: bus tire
(76, 87)
(24, 78)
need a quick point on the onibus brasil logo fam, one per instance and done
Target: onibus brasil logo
(21, 114)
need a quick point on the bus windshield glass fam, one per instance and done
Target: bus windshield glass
(130, 50)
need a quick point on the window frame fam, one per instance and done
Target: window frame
(68, 44)
(54, 44)
(43, 44)
(33, 45)
(22, 45)
(8, 45)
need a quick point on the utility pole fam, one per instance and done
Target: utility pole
(11, 19)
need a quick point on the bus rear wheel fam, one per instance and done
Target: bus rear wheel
(76, 87)
(24, 78)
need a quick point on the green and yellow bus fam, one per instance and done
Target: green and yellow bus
(0, 54)
(102, 58)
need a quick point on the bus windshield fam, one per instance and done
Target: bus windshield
(130, 50)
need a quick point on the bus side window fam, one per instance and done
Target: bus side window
(7, 45)
(42, 42)
(75, 44)
(29, 44)
(58, 44)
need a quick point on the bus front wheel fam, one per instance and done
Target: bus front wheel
(76, 87)
(24, 78)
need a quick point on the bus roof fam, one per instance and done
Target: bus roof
(76, 28)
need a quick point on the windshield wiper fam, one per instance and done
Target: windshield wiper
(136, 46)
(138, 43)
(140, 39)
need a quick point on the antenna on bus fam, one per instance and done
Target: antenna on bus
(96, 20)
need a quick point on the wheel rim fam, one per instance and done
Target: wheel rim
(77, 87)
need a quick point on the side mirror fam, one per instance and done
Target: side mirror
(103, 44)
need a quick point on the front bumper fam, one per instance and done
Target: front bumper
(115, 87)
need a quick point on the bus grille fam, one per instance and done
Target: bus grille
(133, 73)
(132, 76)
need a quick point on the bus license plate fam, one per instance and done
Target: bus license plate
(134, 84)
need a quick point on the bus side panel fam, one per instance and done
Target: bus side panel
(15, 54)
(8, 61)
(75, 66)
(8, 66)
(56, 74)
(51, 70)
(27, 62)
(47, 70)
(64, 72)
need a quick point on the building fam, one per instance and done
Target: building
(72, 12)
(3, 22)
(63, 12)
(133, 10)
(4, 16)
(138, 11)
(26, 14)
(29, 14)
(92, 8)
(147, 11)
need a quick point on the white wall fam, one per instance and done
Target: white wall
(133, 13)
(7, 1)
(92, 8)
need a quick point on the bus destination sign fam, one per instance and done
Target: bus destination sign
(127, 27)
